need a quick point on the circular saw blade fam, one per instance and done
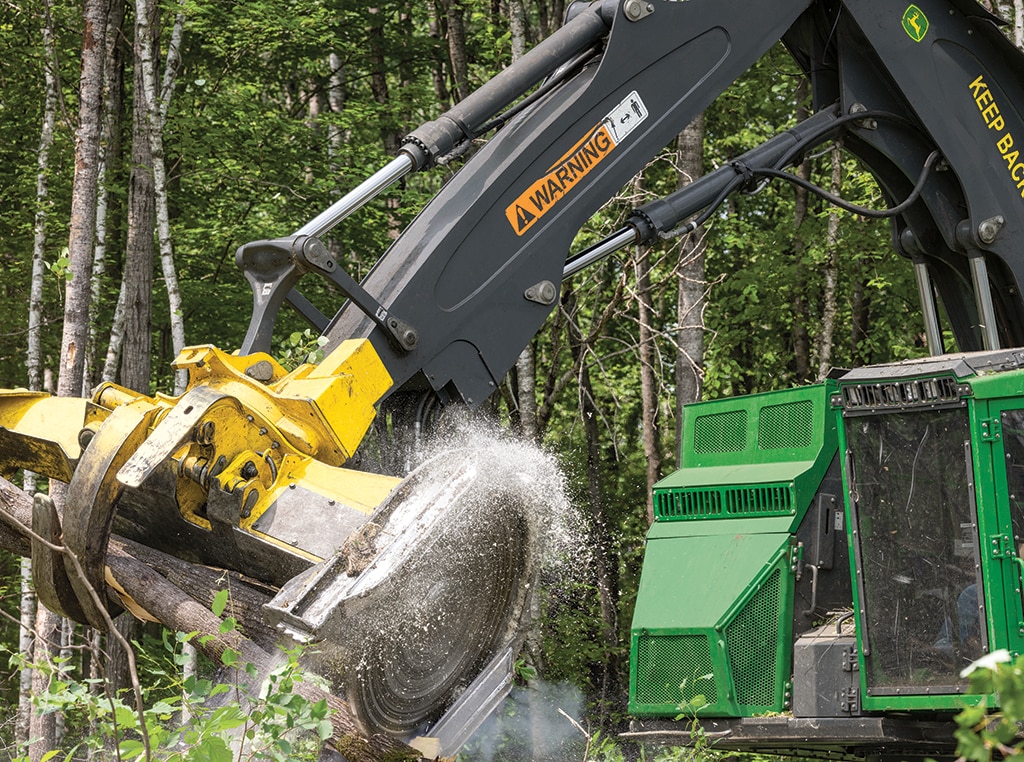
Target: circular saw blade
(448, 590)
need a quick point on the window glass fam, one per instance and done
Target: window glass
(918, 547)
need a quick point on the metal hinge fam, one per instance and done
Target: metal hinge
(991, 430)
(849, 700)
(850, 659)
(1000, 546)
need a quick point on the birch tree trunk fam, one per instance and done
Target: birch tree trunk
(647, 352)
(76, 304)
(526, 369)
(692, 293)
(828, 312)
(33, 361)
(28, 605)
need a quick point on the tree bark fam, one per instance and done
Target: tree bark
(83, 199)
(458, 58)
(801, 313)
(692, 294)
(828, 311)
(647, 352)
(110, 164)
(76, 303)
(156, 102)
(33, 361)
(168, 603)
(600, 538)
(136, 355)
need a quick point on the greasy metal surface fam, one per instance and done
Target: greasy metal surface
(49, 576)
(92, 498)
(40, 432)
(170, 434)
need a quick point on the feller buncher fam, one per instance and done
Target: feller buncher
(825, 562)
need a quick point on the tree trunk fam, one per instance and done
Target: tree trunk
(147, 584)
(801, 313)
(648, 352)
(110, 163)
(692, 293)
(83, 199)
(517, 28)
(156, 102)
(76, 304)
(457, 56)
(136, 355)
(828, 311)
(33, 361)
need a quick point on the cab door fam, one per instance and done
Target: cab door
(1004, 531)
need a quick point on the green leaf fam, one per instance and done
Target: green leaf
(324, 729)
(220, 602)
(229, 658)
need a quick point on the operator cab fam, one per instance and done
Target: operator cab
(864, 537)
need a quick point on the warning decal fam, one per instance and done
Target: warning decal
(568, 171)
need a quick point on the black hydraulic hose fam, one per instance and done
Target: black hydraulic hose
(691, 199)
(842, 203)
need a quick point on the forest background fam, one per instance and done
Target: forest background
(218, 123)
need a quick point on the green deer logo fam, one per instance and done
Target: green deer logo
(915, 23)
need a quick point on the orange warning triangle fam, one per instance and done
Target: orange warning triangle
(523, 218)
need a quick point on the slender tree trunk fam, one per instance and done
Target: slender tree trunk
(647, 352)
(457, 56)
(526, 367)
(157, 101)
(517, 28)
(76, 304)
(33, 361)
(692, 293)
(136, 357)
(801, 313)
(378, 74)
(1018, 23)
(110, 149)
(436, 32)
(25, 642)
(828, 313)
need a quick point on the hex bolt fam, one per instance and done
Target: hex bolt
(249, 470)
(989, 229)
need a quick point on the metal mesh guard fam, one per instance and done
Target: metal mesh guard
(720, 432)
(671, 670)
(753, 665)
(786, 426)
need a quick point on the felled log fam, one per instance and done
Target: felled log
(155, 583)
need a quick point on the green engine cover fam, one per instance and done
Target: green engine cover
(712, 626)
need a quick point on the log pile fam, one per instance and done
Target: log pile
(156, 583)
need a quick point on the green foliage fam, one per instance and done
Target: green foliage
(983, 734)
(241, 716)
(301, 347)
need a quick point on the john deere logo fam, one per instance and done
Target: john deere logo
(915, 23)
